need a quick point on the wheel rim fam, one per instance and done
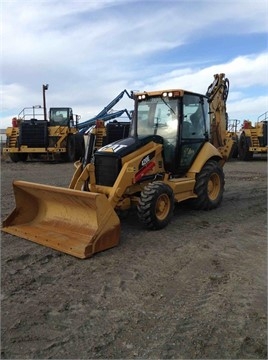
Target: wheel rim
(214, 185)
(162, 207)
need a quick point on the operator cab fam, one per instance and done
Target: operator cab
(61, 117)
(181, 118)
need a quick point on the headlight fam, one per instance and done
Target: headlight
(141, 97)
(169, 94)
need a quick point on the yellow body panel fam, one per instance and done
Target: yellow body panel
(27, 150)
(75, 222)
(254, 134)
(207, 152)
(60, 133)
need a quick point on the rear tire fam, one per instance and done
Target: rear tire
(156, 204)
(243, 148)
(209, 186)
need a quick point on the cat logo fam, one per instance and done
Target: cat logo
(112, 148)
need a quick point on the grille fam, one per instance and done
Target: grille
(107, 169)
(33, 134)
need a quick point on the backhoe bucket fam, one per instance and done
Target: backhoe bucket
(75, 222)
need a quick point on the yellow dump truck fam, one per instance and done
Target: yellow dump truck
(253, 139)
(33, 135)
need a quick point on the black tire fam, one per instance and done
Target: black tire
(14, 157)
(209, 186)
(79, 146)
(23, 157)
(243, 148)
(156, 205)
(69, 156)
(235, 151)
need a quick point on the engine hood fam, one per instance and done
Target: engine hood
(123, 147)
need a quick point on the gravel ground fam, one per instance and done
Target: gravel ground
(194, 290)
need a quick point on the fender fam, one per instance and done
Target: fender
(207, 152)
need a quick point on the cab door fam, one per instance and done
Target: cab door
(193, 130)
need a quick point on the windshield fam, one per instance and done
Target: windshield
(59, 116)
(158, 116)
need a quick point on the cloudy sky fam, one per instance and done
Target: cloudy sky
(88, 51)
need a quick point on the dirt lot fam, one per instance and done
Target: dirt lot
(194, 290)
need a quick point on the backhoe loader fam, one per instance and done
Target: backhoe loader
(175, 152)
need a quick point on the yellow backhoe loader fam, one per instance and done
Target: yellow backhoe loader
(176, 151)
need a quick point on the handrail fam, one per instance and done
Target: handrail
(265, 116)
(31, 113)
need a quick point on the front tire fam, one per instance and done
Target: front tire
(209, 186)
(156, 204)
(235, 151)
(69, 155)
(16, 157)
(23, 156)
(79, 146)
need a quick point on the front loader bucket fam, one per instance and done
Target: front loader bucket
(75, 222)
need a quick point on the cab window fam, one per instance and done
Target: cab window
(195, 117)
(59, 117)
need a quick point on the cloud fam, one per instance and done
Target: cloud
(243, 71)
(89, 51)
(248, 106)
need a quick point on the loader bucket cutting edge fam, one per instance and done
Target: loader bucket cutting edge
(75, 222)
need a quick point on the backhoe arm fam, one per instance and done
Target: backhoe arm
(217, 96)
